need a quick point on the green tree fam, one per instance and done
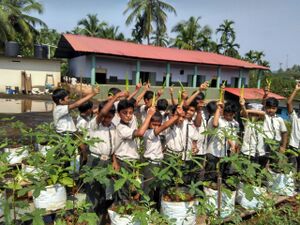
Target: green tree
(91, 26)
(160, 38)
(137, 32)
(152, 12)
(15, 19)
(191, 36)
(112, 32)
(49, 37)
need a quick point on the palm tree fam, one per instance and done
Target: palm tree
(151, 12)
(138, 31)
(191, 36)
(227, 31)
(15, 15)
(112, 32)
(231, 50)
(160, 38)
(91, 26)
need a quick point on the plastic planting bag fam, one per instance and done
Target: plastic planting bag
(117, 219)
(77, 164)
(183, 212)
(227, 201)
(16, 155)
(256, 202)
(282, 184)
(53, 198)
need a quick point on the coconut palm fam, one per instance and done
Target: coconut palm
(191, 36)
(160, 38)
(231, 49)
(153, 12)
(227, 31)
(15, 15)
(112, 32)
(138, 32)
(91, 26)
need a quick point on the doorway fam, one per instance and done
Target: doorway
(101, 78)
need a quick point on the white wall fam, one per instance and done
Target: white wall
(11, 68)
(120, 67)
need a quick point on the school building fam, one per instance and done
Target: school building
(103, 61)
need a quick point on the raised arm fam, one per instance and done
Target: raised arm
(198, 119)
(91, 92)
(202, 87)
(244, 112)
(217, 114)
(141, 96)
(291, 98)
(141, 131)
(137, 88)
(171, 91)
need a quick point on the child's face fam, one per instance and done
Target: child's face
(190, 113)
(64, 101)
(148, 102)
(126, 115)
(271, 110)
(107, 119)
(229, 116)
(155, 123)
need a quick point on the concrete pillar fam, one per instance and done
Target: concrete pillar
(195, 76)
(259, 78)
(219, 74)
(168, 74)
(138, 70)
(93, 70)
(240, 78)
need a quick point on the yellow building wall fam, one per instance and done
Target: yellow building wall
(11, 68)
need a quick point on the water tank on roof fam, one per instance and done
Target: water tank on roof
(38, 51)
(12, 48)
(45, 51)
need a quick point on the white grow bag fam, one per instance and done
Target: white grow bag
(53, 198)
(44, 149)
(26, 169)
(117, 219)
(16, 155)
(183, 212)
(1, 203)
(227, 202)
(282, 184)
(256, 202)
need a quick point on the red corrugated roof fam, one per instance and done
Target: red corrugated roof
(252, 93)
(127, 49)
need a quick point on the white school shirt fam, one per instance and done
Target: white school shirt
(62, 119)
(107, 136)
(174, 139)
(126, 146)
(295, 132)
(143, 112)
(82, 122)
(190, 134)
(201, 143)
(153, 147)
(253, 139)
(216, 145)
(132, 124)
(273, 127)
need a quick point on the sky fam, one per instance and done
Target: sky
(271, 26)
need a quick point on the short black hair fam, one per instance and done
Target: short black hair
(125, 104)
(85, 106)
(211, 107)
(162, 104)
(230, 107)
(148, 95)
(113, 91)
(157, 117)
(59, 94)
(133, 101)
(272, 102)
(103, 103)
(173, 109)
(200, 96)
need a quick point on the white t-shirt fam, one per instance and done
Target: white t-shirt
(107, 145)
(295, 133)
(273, 127)
(63, 121)
(174, 139)
(216, 144)
(253, 140)
(143, 112)
(190, 135)
(153, 148)
(82, 122)
(201, 143)
(126, 146)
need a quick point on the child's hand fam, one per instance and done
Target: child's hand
(266, 91)
(159, 92)
(242, 101)
(204, 86)
(220, 104)
(180, 111)
(122, 94)
(297, 88)
(184, 95)
(151, 110)
(147, 86)
(138, 86)
(281, 149)
(116, 166)
(96, 89)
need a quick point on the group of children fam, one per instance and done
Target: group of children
(183, 129)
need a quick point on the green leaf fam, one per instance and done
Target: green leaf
(67, 181)
(119, 184)
(90, 218)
